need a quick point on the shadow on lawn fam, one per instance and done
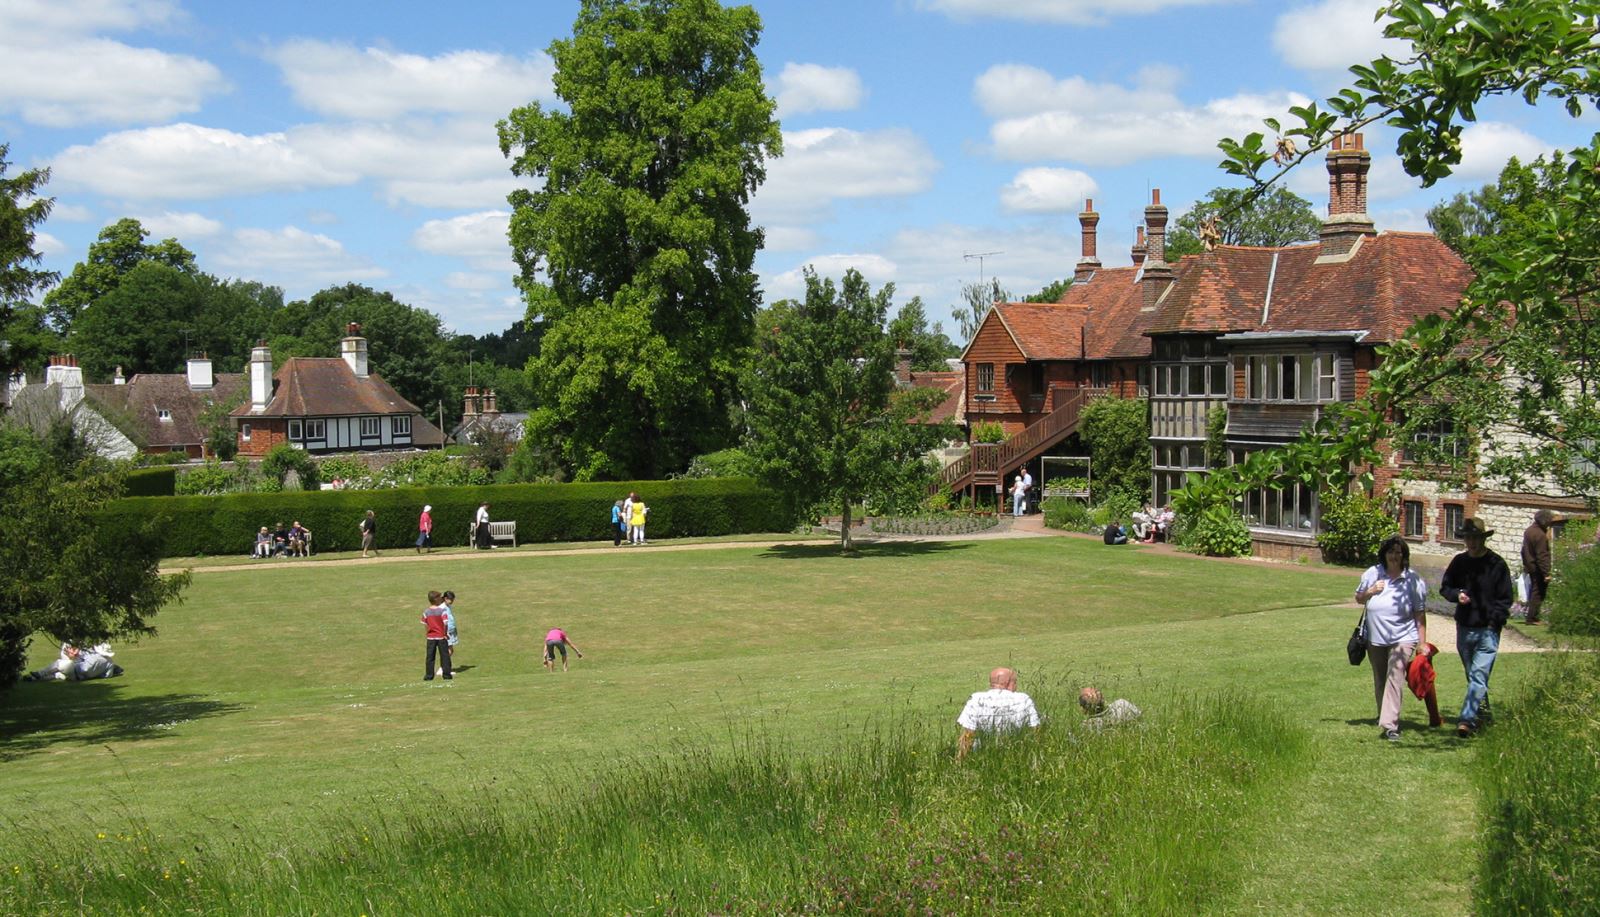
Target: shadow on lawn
(35, 716)
(863, 549)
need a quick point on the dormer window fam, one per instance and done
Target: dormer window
(163, 415)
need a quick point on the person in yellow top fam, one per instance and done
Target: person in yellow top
(636, 519)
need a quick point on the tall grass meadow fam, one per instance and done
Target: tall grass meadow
(1149, 817)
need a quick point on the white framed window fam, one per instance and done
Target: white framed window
(1309, 378)
(400, 425)
(295, 430)
(369, 427)
(316, 429)
(163, 415)
(244, 432)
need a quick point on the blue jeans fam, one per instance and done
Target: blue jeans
(1477, 647)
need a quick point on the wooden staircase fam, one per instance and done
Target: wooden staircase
(987, 464)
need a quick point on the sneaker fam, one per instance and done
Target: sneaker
(1391, 735)
(1464, 731)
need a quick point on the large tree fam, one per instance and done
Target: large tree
(22, 209)
(929, 347)
(67, 576)
(1242, 216)
(637, 248)
(1519, 353)
(976, 301)
(119, 249)
(826, 424)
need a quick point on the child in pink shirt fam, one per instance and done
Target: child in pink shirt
(557, 640)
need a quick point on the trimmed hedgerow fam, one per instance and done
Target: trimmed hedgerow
(158, 481)
(226, 523)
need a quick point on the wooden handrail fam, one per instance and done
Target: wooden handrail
(988, 463)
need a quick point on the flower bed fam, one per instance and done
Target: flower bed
(941, 524)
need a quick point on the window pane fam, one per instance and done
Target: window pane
(1308, 379)
(1273, 507)
(1197, 379)
(1290, 377)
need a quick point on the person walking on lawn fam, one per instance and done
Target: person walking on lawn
(1396, 622)
(1536, 562)
(425, 529)
(1479, 582)
(369, 533)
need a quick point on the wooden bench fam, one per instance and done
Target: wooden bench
(498, 531)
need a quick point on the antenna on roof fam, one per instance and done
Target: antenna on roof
(968, 256)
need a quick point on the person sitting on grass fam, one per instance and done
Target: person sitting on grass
(997, 711)
(76, 664)
(556, 640)
(1098, 714)
(1115, 533)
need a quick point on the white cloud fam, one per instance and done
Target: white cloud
(791, 284)
(47, 245)
(813, 87)
(1045, 190)
(1040, 117)
(471, 280)
(187, 161)
(375, 83)
(430, 163)
(1333, 35)
(59, 73)
(826, 164)
(1487, 145)
(790, 238)
(292, 258)
(70, 213)
(1403, 219)
(175, 225)
(479, 238)
(1071, 12)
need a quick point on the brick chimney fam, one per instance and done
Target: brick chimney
(200, 375)
(489, 407)
(1090, 262)
(1157, 272)
(353, 347)
(1347, 220)
(902, 367)
(471, 406)
(260, 378)
(1138, 246)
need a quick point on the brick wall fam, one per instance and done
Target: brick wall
(264, 434)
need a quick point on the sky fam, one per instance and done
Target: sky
(927, 143)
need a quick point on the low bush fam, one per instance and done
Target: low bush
(728, 463)
(150, 459)
(944, 523)
(159, 481)
(1068, 513)
(988, 431)
(1353, 526)
(210, 525)
(1573, 604)
(284, 458)
(1217, 531)
(1538, 783)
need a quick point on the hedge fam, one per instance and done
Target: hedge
(160, 481)
(226, 524)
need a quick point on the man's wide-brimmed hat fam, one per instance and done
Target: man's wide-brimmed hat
(1473, 527)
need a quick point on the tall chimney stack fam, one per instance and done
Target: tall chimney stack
(1157, 273)
(1138, 245)
(354, 350)
(260, 378)
(1347, 222)
(1090, 262)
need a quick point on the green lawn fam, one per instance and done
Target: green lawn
(278, 704)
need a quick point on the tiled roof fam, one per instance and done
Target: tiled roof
(1387, 283)
(951, 383)
(328, 387)
(1099, 319)
(147, 394)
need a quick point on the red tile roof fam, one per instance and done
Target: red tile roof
(146, 394)
(328, 387)
(1387, 283)
(1099, 319)
(951, 383)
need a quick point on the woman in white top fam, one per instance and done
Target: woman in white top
(1396, 623)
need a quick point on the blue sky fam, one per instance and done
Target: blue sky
(309, 144)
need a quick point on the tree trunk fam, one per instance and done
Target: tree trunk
(844, 526)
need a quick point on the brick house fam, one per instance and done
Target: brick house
(167, 409)
(327, 404)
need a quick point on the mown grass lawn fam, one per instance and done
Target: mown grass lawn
(280, 704)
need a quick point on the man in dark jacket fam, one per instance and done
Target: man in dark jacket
(1536, 562)
(1479, 582)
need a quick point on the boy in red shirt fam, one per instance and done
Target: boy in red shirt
(433, 621)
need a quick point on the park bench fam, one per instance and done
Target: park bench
(498, 531)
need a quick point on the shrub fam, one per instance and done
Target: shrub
(214, 477)
(151, 482)
(284, 458)
(728, 463)
(1217, 531)
(431, 469)
(1353, 526)
(1067, 513)
(1537, 781)
(207, 525)
(352, 473)
(1117, 433)
(1120, 505)
(988, 431)
(1574, 600)
(148, 459)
